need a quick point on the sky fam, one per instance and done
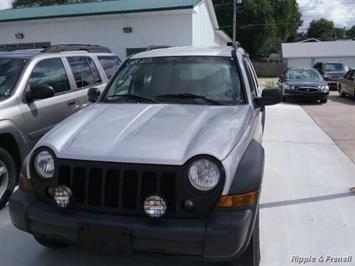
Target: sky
(342, 12)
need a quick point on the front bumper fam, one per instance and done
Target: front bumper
(310, 95)
(222, 237)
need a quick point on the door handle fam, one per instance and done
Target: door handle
(71, 102)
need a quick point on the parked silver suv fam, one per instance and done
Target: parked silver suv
(38, 89)
(169, 160)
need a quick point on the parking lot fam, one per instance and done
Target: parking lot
(306, 206)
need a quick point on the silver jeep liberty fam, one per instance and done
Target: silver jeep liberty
(38, 89)
(168, 160)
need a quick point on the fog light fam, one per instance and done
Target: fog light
(62, 196)
(188, 205)
(155, 206)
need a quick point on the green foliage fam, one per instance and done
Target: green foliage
(33, 3)
(261, 24)
(322, 29)
(271, 84)
(351, 33)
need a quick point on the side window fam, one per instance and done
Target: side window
(110, 64)
(50, 72)
(352, 75)
(253, 72)
(251, 79)
(84, 71)
(94, 71)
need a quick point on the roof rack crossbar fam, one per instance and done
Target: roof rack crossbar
(76, 47)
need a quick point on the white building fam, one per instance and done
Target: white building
(306, 54)
(125, 26)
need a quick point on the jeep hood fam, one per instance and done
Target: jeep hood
(144, 133)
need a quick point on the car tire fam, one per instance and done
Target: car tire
(49, 243)
(8, 177)
(324, 100)
(251, 257)
(284, 98)
(342, 94)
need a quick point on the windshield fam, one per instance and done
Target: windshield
(10, 71)
(201, 80)
(303, 75)
(335, 67)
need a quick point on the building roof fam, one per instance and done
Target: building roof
(96, 8)
(318, 49)
(187, 51)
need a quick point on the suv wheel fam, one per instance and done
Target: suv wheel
(342, 94)
(49, 243)
(8, 177)
(324, 100)
(251, 256)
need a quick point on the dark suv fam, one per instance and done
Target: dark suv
(331, 72)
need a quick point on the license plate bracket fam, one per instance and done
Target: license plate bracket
(105, 238)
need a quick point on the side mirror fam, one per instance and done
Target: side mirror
(281, 78)
(93, 94)
(40, 91)
(270, 97)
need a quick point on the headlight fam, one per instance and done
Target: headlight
(285, 86)
(44, 164)
(204, 174)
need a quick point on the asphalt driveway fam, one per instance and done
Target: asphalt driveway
(306, 207)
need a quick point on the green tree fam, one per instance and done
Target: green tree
(322, 29)
(351, 33)
(34, 3)
(261, 24)
(287, 17)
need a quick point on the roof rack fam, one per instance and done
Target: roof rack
(76, 47)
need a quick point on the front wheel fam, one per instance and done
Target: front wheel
(251, 256)
(49, 243)
(8, 177)
(324, 100)
(342, 94)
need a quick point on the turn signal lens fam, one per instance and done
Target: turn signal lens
(25, 183)
(237, 201)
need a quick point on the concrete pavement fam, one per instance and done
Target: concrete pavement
(306, 207)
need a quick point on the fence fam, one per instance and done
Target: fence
(269, 69)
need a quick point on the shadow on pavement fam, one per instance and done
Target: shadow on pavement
(306, 200)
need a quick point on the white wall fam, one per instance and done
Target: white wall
(318, 49)
(159, 28)
(202, 27)
(349, 61)
(299, 62)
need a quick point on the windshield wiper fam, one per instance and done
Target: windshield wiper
(187, 96)
(131, 97)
